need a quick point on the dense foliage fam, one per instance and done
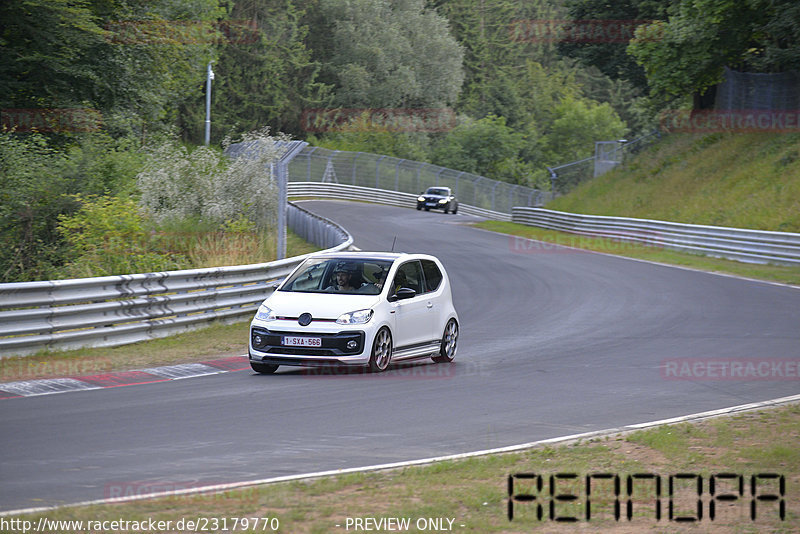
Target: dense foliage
(103, 101)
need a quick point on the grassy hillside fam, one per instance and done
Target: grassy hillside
(738, 180)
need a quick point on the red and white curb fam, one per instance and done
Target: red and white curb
(50, 386)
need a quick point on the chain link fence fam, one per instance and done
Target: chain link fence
(758, 91)
(315, 164)
(608, 154)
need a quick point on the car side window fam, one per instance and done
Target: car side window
(409, 275)
(433, 276)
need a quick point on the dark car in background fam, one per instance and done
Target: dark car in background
(437, 198)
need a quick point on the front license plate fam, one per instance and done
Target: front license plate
(432, 203)
(291, 341)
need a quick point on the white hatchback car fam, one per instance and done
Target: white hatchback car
(335, 308)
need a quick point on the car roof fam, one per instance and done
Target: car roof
(363, 255)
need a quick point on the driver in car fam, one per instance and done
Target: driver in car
(345, 275)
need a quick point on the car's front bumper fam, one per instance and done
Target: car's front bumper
(432, 204)
(339, 344)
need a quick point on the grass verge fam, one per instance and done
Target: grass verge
(216, 341)
(773, 273)
(474, 493)
(741, 180)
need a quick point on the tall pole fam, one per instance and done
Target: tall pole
(282, 208)
(209, 77)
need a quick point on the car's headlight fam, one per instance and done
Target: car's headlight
(421, 199)
(356, 317)
(442, 200)
(265, 314)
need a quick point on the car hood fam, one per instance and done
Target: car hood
(433, 197)
(319, 305)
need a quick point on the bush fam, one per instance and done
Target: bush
(178, 183)
(37, 184)
(108, 236)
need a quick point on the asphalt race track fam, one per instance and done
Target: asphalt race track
(553, 342)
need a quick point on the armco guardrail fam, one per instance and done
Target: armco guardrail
(379, 196)
(754, 246)
(115, 310)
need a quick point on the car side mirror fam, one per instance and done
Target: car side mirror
(402, 294)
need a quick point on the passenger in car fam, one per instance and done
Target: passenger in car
(400, 280)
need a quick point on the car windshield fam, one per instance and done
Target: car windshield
(437, 191)
(356, 276)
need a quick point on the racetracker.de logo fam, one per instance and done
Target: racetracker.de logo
(737, 121)
(182, 32)
(582, 31)
(23, 369)
(730, 369)
(50, 120)
(627, 241)
(317, 120)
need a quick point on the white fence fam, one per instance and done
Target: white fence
(753, 246)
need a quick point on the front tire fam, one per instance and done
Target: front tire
(449, 345)
(381, 355)
(263, 368)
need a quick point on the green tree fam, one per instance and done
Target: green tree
(265, 77)
(391, 54)
(134, 62)
(487, 147)
(496, 51)
(30, 199)
(38, 184)
(108, 236)
(43, 47)
(703, 36)
(578, 125)
(364, 135)
(610, 56)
